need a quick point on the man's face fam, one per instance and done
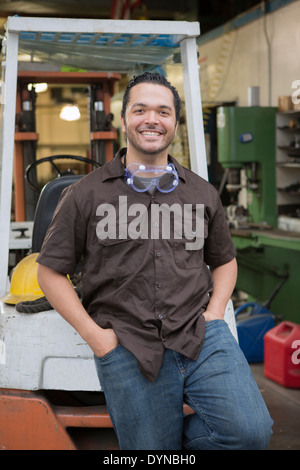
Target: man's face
(150, 123)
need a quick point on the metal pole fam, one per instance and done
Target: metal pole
(193, 106)
(10, 66)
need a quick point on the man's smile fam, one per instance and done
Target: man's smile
(151, 132)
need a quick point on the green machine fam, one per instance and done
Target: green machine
(246, 149)
(268, 258)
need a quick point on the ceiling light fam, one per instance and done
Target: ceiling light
(70, 112)
(39, 87)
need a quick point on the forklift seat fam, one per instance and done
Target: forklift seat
(42, 351)
(46, 206)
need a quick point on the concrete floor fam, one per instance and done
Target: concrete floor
(284, 407)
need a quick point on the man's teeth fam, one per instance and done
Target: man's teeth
(150, 133)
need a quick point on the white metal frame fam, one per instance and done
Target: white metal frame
(184, 32)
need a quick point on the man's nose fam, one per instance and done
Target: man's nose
(151, 117)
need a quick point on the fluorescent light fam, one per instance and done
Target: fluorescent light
(69, 112)
(39, 87)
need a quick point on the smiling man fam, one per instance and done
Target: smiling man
(150, 124)
(152, 310)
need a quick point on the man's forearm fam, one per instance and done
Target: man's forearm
(63, 298)
(224, 278)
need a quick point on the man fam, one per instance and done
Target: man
(152, 311)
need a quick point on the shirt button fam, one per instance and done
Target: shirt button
(158, 255)
(159, 316)
(159, 285)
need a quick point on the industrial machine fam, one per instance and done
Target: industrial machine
(266, 255)
(246, 150)
(50, 396)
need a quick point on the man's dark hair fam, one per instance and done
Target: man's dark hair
(157, 79)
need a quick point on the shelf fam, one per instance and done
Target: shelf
(288, 148)
(290, 193)
(291, 112)
(288, 164)
(290, 130)
(288, 171)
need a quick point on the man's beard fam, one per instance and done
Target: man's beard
(134, 142)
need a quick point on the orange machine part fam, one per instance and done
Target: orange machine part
(29, 422)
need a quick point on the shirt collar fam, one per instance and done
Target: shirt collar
(115, 168)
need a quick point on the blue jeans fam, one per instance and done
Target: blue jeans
(230, 412)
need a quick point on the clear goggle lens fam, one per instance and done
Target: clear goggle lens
(142, 177)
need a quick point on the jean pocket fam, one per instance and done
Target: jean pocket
(108, 355)
(217, 320)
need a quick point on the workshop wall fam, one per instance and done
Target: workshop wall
(239, 59)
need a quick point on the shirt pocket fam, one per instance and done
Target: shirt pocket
(189, 239)
(120, 255)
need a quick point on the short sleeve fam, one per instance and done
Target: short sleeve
(65, 239)
(219, 248)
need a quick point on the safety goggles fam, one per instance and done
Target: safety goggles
(142, 178)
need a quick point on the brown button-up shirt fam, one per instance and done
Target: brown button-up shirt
(138, 277)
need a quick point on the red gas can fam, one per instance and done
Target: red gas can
(282, 354)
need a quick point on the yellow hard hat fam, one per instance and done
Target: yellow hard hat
(24, 285)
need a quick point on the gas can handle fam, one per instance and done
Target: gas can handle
(244, 307)
(285, 327)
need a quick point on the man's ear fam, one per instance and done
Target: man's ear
(123, 125)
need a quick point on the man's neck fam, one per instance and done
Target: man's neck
(133, 156)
